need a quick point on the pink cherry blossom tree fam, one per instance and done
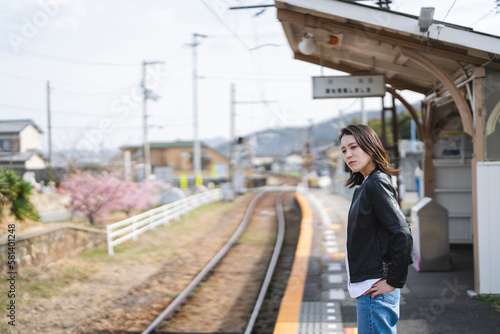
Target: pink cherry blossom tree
(93, 195)
(139, 196)
(96, 195)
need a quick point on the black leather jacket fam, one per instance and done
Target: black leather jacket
(379, 241)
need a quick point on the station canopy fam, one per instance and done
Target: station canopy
(360, 39)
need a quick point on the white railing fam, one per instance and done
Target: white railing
(131, 227)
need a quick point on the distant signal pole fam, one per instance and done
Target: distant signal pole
(147, 94)
(49, 126)
(196, 140)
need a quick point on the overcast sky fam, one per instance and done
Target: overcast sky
(91, 52)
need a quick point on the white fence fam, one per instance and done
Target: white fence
(130, 228)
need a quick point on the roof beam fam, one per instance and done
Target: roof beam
(436, 48)
(387, 66)
(447, 81)
(399, 84)
(411, 110)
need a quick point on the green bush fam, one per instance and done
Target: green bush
(15, 193)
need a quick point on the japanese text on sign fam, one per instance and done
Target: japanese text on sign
(348, 86)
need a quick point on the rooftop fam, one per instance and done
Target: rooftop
(16, 125)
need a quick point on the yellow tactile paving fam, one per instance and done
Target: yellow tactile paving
(337, 256)
(288, 316)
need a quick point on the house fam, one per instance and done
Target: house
(178, 155)
(20, 145)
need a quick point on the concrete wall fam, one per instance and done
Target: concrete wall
(35, 162)
(51, 244)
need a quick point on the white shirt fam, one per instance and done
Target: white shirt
(359, 288)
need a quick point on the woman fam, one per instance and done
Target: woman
(379, 242)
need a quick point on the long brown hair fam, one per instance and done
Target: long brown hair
(369, 142)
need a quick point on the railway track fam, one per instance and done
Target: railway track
(222, 275)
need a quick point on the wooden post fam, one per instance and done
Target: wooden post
(479, 155)
(427, 165)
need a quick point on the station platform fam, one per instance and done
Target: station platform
(316, 300)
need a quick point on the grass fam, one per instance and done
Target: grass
(196, 310)
(493, 300)
(44, 282)
(96, 253)
(254, 235)
(293, 174)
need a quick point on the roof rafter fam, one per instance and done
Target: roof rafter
(436, 48)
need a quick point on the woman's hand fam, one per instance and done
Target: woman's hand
(380, 288)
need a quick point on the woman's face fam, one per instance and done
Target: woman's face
(357, 159)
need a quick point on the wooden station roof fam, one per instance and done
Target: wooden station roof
(360, 39)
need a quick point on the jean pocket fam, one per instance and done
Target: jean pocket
(391, 298)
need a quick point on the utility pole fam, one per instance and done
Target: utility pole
(232, 131)
(147, 94)
(363, 112)
(196, 140)
(232, 138)
(49, 125)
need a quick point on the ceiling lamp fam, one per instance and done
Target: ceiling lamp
(425, 18)
(307, 45)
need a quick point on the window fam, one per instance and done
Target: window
(15, 145)
(5, 145)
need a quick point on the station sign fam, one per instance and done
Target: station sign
(327, 87)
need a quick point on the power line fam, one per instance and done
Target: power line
(484, 16)
(453, 4)
(58, 89)
(252, 79)
(27, 53)
(226, 25)
(110, 129)
(469, 7)
(169, 121)
(44, 80)
(55, 111)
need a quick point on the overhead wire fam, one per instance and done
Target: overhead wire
(51, 81)
(29, 53)
(171, 121)
(225, 24)
(57, 111)
(484, 16)
(58, 89)
(449, 10)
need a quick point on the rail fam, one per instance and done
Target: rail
(272, 264)
(130, 228)
(179, 300)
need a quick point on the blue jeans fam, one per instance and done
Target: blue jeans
(378, 315)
